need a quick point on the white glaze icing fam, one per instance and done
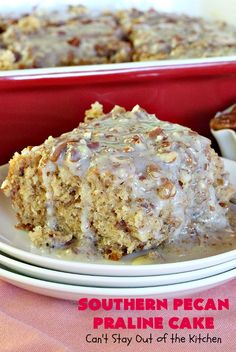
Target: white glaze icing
(126, 144)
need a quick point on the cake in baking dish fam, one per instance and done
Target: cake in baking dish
(159, 36)
(74, 37)
(78, 36)
(122, 181)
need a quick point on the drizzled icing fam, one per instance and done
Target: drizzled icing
(47, 171)
(169, 170)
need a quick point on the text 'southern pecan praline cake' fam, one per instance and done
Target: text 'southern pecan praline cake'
(122, 182)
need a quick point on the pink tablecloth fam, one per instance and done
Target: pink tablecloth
(34, 323)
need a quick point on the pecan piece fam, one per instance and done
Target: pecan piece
(136, 139)
(166, 190)
(61, 148)
(142, 177)
(58, 151)
(93, 145)
(21, 171)
(153, 170)
(128, 149)
(74, 155)
(168, 157)
(122, 225)
(156, 132)
(223, 204)
(74, 41)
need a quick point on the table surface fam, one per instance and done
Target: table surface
(35, 323)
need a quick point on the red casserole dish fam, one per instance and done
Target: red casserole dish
(41, 102)
(35, 106)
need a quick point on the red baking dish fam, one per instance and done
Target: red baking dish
(41, 102)
(37, 105)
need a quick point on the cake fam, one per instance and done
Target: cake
(78, 36)
(122, 181)
(159, 36)
(72, 38)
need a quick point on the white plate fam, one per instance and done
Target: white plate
(108, 281)
(17, 244)
(226, 140)
(71, 292)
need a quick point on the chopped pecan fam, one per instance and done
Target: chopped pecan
(166, 190)
(74, 155)
(223, 204)
(128, 149)
(142, 177)
(61, 148)
(165, 144)
(156, 132)
(26, 227)
(114, 256)
(72, 191)
(93, 145)
(136, 139)
(21, 171)
(153, 168)
(74, 41)
(122, 225)
(58, 151)
(168, 157)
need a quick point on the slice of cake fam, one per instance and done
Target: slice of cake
(66, 39)
(124, 181)
(158, 36)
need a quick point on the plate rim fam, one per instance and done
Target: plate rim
(165, 289)
(113, 269)
(14, 264)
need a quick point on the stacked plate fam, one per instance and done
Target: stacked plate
(67, 278)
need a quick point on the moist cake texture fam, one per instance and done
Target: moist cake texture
(78, 36)
(120, 182)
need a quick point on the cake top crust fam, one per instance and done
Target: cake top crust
(134, 139)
